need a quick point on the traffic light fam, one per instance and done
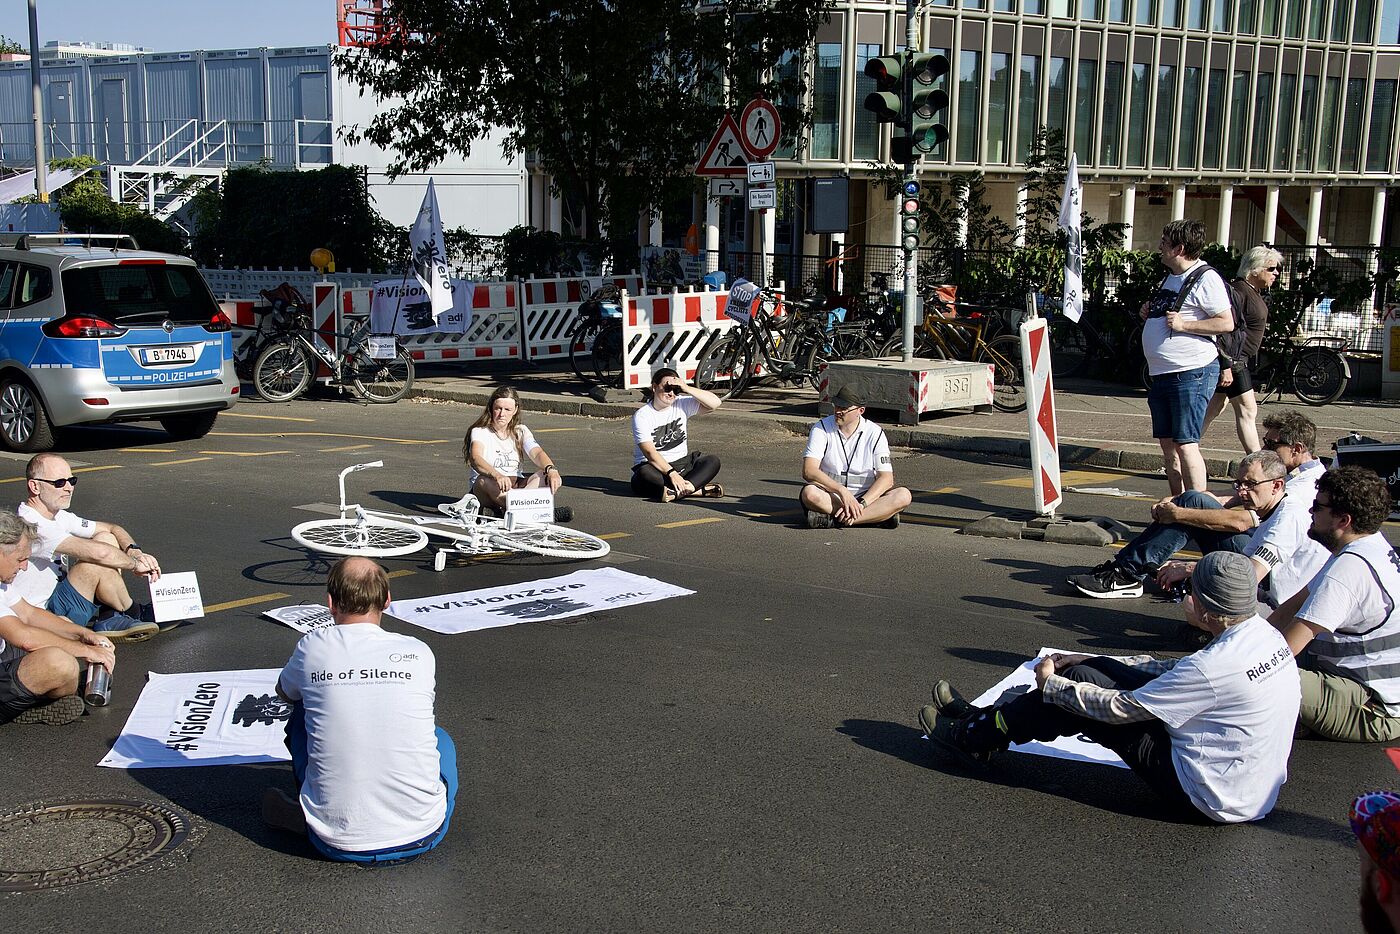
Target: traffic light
(887, 100)
(909, 215)
(928, 103)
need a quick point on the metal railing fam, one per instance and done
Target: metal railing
(281, 143)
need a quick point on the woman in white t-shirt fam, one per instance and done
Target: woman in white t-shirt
(495, 448)
(663, 463)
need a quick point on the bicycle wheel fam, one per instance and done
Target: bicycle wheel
(1069, 348)
(923, 347)
(282, 372)
(552, 541)
(581, 349)
(382, 381)
(840, 345)
(724, 368)
(1009, 384)
(607, 356)
(359, 537)
(1319, 375)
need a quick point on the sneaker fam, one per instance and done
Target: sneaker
(668, 495)
(949, 702)
(119, 627)
(818, 520)
(949, 735)
(712, 490)
(891, 523)
(54, 713)
(282, 811)
(1107, 582)
(563, 514)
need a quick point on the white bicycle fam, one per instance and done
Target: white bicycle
(373, 534)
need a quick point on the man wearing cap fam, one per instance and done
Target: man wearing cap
(1211, 732)
(1375, 819)
(1345, 625)
(850, 480)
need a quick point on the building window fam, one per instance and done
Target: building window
(1239, 114)
(999, 110)
(1307, 123)
(788, 70)
(1056, 117)
(1006, 6)
(1365, 23)
(1062, 8)
(1215, 114)
(1137, 117)
(1109, 153)
(1268, 25)
(866, 135)
(974, 4)
(1085, 85)
(1331, 114)
(1220, 15)
(1317, 19)
(826, 101)
(1246, 20)
(1354, 107)
(1146, 12)
(1341, 18)
(969, 101)
(1166, 110)
(1190, 119)
(1171, 13)
(1196, 14)
(1293, 23)
(1089, 10)
(1287, 105)
(1382, 126)
(1263, 113)
(1027, 105)
(1117, 11)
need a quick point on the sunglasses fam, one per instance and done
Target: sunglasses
(1273, 269)
(60, 483)
(1318, 507)
(671, 388)
(1251, 484)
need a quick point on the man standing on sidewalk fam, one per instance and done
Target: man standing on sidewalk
(1179, 327)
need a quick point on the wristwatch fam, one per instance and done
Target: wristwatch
(549, 467)
(131, 546)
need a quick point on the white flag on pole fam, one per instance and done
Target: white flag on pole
(1070, 206)
(430, 254)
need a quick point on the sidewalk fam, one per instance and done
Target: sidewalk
(1101, 424)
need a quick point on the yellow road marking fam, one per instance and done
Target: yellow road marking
(677, 525)
(403, 572)
(187, 460)
(277, 418)
(246, 453)
(545, 431)
(929, 494)
(246, 601)
(318, 434)
(348, 447)
(1067, 478)
(611, 535)
(149, 450)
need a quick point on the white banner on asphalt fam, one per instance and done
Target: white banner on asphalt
(536, 601)
(1078, 747)
(204, 718)
(304, 617)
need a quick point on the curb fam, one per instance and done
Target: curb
(918, 439)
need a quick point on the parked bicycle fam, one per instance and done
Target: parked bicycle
(374, 534)
(375, 369)
(1079, 348)
(275, 324)
(794, 347)
(946, 335)
(595, 344)
(1314, 369)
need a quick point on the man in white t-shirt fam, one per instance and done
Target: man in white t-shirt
(43, 658)
(1211, 732)
(1180, 324)
(377, 779)
(1345, 624)
(76, 570)
(850, 480)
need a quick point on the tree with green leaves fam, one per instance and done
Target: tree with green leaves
(10, 46)
(614, 97)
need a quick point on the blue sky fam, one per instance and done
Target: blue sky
(176, 25)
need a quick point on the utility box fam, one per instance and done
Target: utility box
(912, 388)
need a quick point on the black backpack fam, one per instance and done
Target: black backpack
(1232, 346)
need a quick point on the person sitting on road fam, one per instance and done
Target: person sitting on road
(1344, 626)
(1375, 819)
(43, 658)
(664, 465)
(377, 780)
(1210, 733)
(1259, 269)
(846, 465)
(495, 447)
(76, 569)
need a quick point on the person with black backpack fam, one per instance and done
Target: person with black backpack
(1259, 270)
(1180, 324)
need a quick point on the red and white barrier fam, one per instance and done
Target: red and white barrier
(1046, 490)
(494, 331)
(671, 330)
(549, 310)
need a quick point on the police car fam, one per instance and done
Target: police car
(95, 330)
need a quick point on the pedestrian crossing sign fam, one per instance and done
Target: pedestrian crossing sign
(725, 154)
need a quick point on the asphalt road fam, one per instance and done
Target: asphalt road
(744, 759)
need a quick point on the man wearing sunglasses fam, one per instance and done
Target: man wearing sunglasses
(77, 565)
(850, 480)
(1344, 626)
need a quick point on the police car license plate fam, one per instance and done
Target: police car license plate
(165, 356)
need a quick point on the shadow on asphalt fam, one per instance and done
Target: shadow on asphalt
(1099, 627)
(416, 502)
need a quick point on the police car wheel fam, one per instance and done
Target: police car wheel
(24, 425)
(188, 427)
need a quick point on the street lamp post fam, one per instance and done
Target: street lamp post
(41, 162)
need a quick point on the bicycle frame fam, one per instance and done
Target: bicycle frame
(476, 536)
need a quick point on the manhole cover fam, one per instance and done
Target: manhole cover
(49, 845)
